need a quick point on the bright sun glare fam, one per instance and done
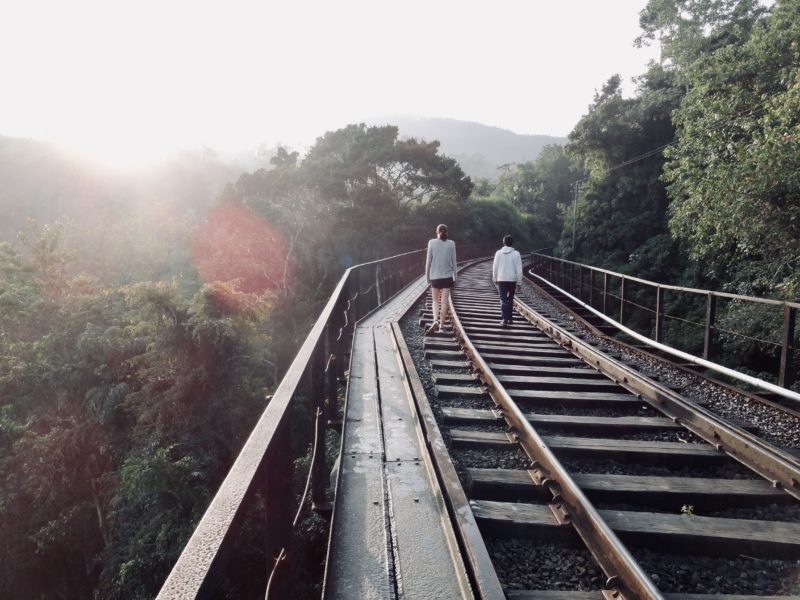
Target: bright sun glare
(119, 152)
(128, 83)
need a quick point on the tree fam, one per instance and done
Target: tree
(350, 199)
(122, 408)
(691, 29)
(734, 178)
(537, 189)
(623, 202)
(366, 167)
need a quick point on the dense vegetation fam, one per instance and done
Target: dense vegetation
(136, 355)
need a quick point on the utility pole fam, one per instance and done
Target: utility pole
(577, 187)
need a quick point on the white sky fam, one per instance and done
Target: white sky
(127, 81)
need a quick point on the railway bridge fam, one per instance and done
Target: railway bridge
(573, 454)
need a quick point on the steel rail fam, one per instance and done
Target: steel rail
(772, 463)
(475, 556)
(624, 575)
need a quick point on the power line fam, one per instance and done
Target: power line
(755, 111)
(630, 161)
(577, 184)
(727, 120)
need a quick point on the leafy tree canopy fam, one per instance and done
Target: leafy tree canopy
(537, 188)
(690, 29)
(622, 202)
(735, 175)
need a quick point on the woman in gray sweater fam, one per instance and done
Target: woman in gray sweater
(440, 271)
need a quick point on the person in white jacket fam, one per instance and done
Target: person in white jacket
(506, 275)
(440, 271)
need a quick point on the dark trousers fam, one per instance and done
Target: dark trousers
(506, 290)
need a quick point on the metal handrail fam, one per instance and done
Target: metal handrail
(676, 288)
(563, 273)
(754, 381)
(265, 463)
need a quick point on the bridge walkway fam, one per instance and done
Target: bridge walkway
(391, 536)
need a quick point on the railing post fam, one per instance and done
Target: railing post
(711, 314)
(622, 300)
(346, 306)
(390, 280)
(786, 375)
(659, 337)
(572, 278)
(580, 282)
(319, 500)
(359, 299)
(278, 512)
(332, 366)
(605, 293)
(591, 287)
(378, 294)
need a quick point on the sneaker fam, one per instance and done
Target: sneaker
(433, 328)
(503, 323)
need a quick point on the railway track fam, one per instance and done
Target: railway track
(571, 475)
(602, 328)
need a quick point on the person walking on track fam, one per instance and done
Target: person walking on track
(506, 275)
(440, 271)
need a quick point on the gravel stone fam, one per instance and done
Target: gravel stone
(525, 565)
(703, 575)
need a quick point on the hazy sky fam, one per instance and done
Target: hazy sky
(128, 80)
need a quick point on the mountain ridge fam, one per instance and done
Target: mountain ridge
(480, 149)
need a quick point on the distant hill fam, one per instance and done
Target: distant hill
(480, 149)
(38, 181)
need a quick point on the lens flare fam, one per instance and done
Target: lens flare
(236, 246)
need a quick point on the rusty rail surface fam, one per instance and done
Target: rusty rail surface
(265, 465)
(625, 576)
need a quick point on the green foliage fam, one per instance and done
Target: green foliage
(734, 176)
(122, 409)
(161, 495)
(487, 221)
(622, 205)
(537, 189)
(359, 165)
(691, 29)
